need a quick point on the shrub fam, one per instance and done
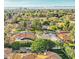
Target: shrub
(40, 45)
(17, 45)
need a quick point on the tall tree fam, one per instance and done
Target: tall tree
(66, 25)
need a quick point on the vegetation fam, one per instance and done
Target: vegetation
(66, 26)
(41, 22)
(66, 49)
(17, 45)
(42, 45)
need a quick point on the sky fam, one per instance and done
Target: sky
(38, 3)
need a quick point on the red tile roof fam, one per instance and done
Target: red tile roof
(63, 35)
(23, 35)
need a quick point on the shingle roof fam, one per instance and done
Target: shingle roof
(64, 36)
(23, 35)
(7, 52)
(49, 55)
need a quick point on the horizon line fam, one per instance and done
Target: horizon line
(45, 7)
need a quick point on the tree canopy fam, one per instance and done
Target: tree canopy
(41, 45)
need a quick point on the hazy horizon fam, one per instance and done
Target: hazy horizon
(38, 3)
(52, 7)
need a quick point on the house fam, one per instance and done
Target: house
(60, 24)
(64, 36)
(45, 27)
(7, 52)
(29, 25)
(51, 36)
(16, 56)
(48, 55)
(52, 55)
(30, 56)
(42, 57)
(23, 36)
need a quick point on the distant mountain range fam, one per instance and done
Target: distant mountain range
(51, 7)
